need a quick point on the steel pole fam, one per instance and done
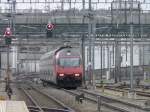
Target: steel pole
(83, 4)
(69, 4)
(13, 11)
(62, 5)
(101, 62)
(131, 58)
(89, 60)
(90, 5)
(83, 61)
(142, 51)
(126, 56)
(0, 65)
(83, 48)
(110, 64)
(35, 65)
(8, 69)
(108, 60)
(131, 45)
(90, 48)
(93, 52)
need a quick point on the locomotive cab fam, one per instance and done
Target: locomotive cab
(69, 68)
(62, 67)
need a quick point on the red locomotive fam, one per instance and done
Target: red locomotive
(62, 66)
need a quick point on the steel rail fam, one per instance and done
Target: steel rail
(38, 108)
(95, 101)
(141, 93)
(54, 99)
(141, 108)
(32, 100)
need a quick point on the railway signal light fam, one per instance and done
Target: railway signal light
(49, 30)
(50, 26)
(7, 36)
(8, 32)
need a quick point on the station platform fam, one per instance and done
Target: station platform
(13, 106)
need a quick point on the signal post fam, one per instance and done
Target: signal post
(8, 38)
(49, 30)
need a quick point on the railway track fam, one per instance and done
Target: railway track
(140, 93)
(69, 99)
(111, 103)
(41, 102)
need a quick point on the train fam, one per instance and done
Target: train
(62, 67)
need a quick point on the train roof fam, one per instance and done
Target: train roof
(46, 55)
(63, 47)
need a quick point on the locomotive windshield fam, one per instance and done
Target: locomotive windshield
(69, 62)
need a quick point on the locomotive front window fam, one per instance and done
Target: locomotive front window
(69, 62)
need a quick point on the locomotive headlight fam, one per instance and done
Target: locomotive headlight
(61, 75)
(68, 53)
(76, 75)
